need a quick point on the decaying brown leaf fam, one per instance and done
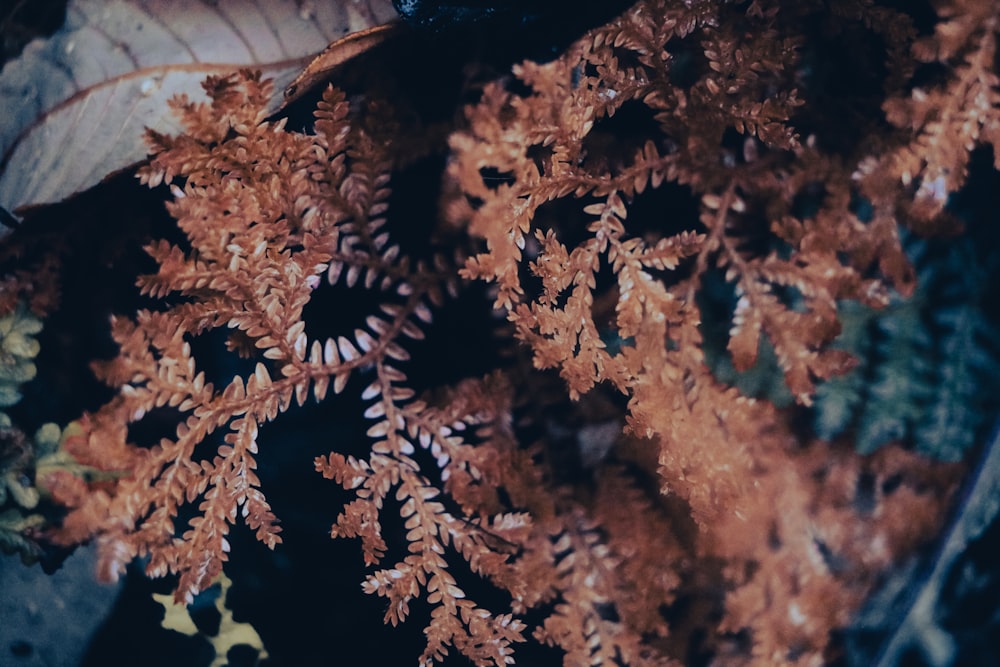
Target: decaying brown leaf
(335, 55)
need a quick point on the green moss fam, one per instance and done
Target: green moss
(25, 461)
(17, 350)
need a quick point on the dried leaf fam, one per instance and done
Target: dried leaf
(337, 54)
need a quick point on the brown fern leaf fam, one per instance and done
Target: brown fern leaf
(261, 234)
(947, 122)
(788, 274)
(399, 422)
(609, 190)
(605, 288)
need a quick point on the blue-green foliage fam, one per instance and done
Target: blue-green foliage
(929, 368)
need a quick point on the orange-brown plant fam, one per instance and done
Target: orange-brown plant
(600, 238)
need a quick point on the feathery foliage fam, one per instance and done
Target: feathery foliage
(606, 199)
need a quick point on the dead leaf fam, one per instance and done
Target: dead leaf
(77, 104)
(337, 54)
